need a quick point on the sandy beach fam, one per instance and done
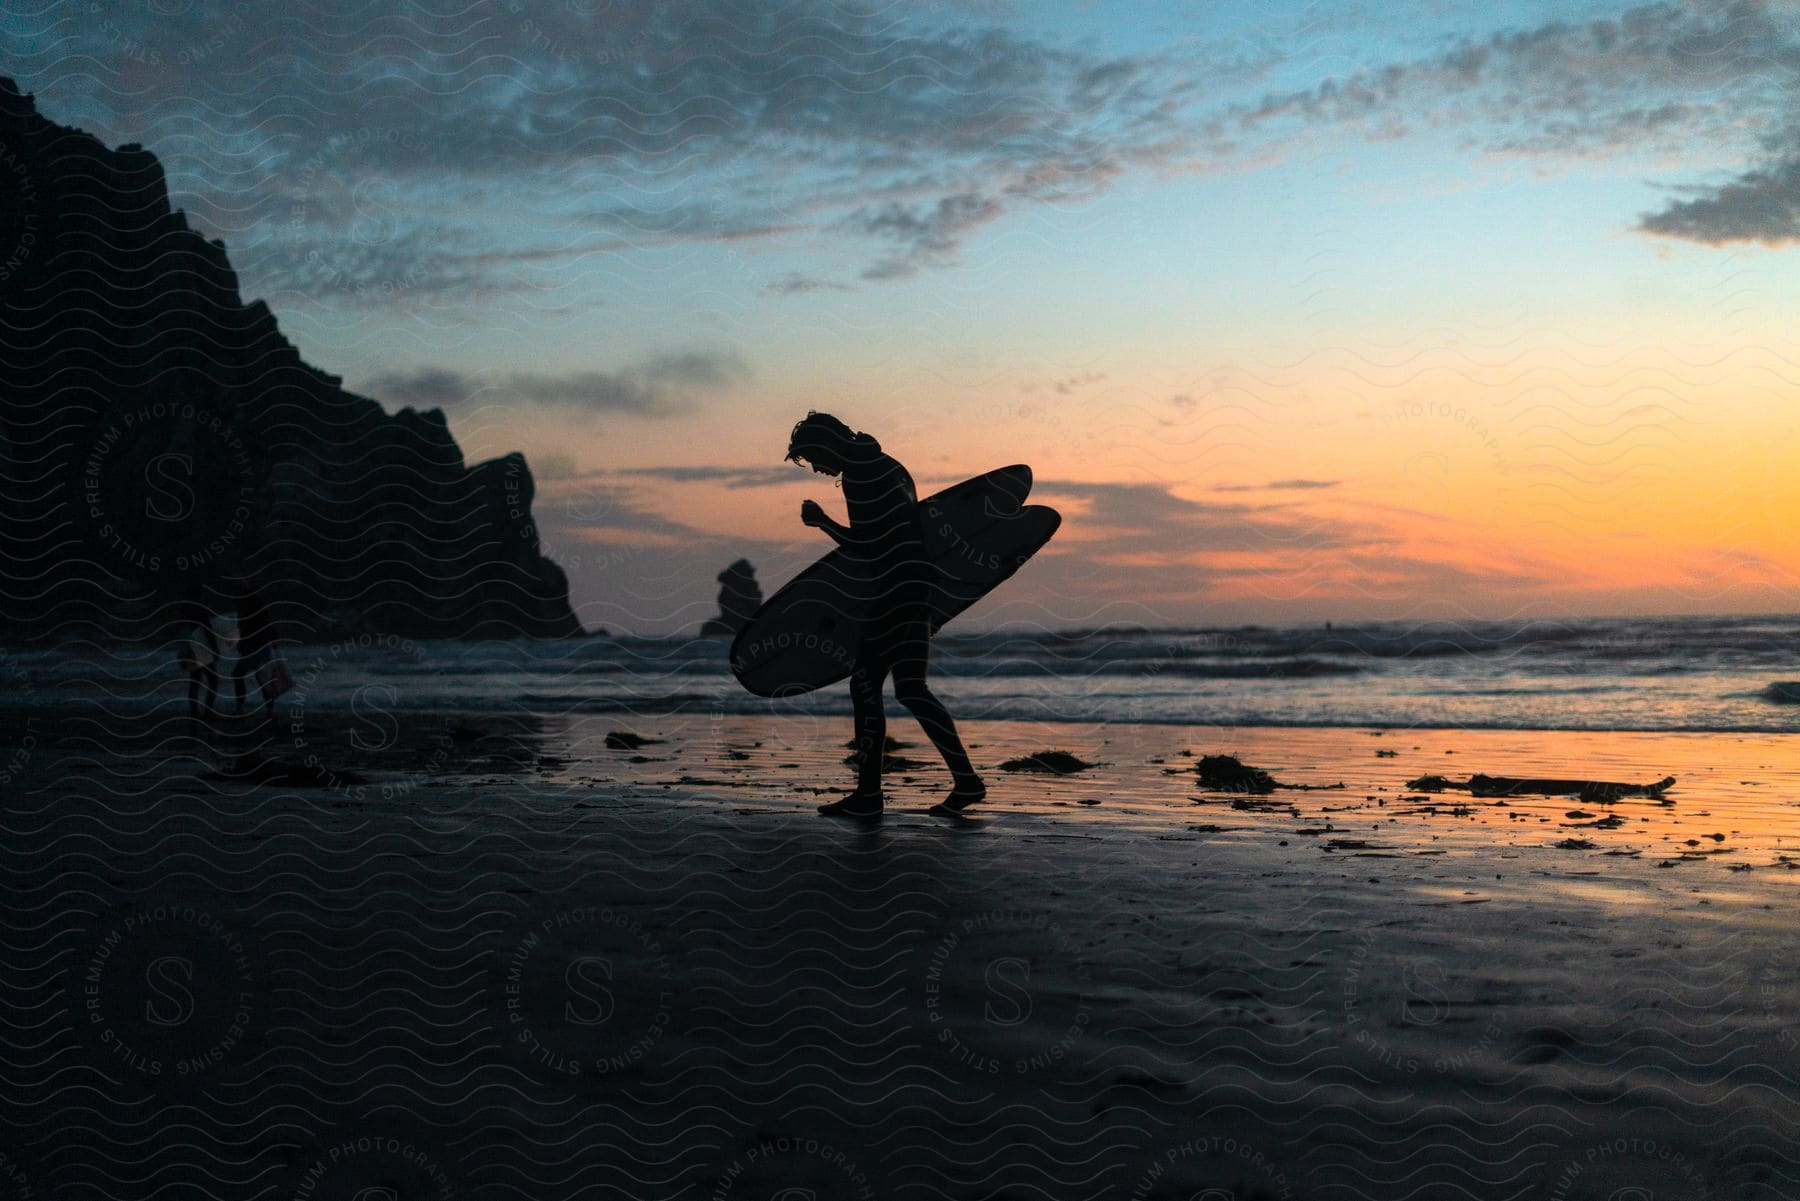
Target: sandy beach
(474, 956)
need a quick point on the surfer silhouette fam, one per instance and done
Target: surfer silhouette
(886, 539)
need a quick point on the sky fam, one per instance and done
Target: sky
(1299, 312)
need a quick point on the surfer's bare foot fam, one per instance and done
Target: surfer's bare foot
(857, 804)
(966, 793)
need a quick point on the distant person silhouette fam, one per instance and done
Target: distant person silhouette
(198, 654)
(256, 649)
(887, 540)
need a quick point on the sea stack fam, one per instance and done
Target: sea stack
(740, 596)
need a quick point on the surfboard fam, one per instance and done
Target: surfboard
(977, 534)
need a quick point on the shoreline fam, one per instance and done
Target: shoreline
(1733, 804)
(172, 708)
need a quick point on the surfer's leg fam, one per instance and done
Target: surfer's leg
(911, 690)
(870, 724)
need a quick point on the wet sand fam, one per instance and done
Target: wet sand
(496, 957)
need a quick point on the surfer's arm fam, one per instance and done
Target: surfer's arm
(811, 514)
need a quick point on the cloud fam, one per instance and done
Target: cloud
(373, 265)
(700, 121)
(796, 284)
(1140, 518)
(554, 466)
(1158, 544)
(661, 386)
(1080, 379)
(1562, 85)
(1279, 486)
(731, 477)
(1679, 79)
(929, 235)
(484, 149)
(1762, 205)
(599, 391)
(424, 388)
(589, 508)
(703, 368)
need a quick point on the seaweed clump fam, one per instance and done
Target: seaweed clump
(1227, 773)
(1050, 763)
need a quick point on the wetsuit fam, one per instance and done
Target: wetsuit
(888, 544)
(887, 541)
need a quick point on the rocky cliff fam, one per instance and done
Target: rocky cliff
(162, 442)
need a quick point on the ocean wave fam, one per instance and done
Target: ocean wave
(1521, 690)
(1607, 678)
(1277, 669)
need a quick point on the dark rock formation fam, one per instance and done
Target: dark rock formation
(740, 596)
(161, 440)
(1225, 773)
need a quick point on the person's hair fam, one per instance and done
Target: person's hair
(818, 429)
